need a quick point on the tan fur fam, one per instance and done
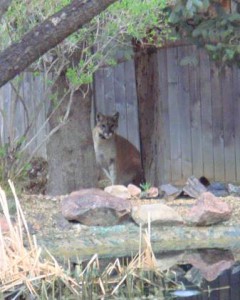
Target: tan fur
(119, 159)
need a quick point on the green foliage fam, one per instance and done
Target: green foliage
(111, 30)
(142, 20)
(145, 186)
(82, 74)
(10, 156)
(208, 25)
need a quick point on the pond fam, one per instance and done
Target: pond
(191, 275)
(205, 274)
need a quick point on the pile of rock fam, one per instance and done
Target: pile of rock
(95, 207)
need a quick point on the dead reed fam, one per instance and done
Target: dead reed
(22, 267)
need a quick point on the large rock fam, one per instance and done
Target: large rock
(119, 191)
(157, 214)
(208, 210)
(95, 207)
(134, 190)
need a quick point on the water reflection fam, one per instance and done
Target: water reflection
(200, 275)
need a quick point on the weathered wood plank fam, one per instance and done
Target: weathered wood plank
(206, 113)
(120, 103)
(99, 91)
(164, 158)
(131, 104)
(196, 128)
(40, 104)
(217, 124)
(184, 110)
(228, 125)
(174, 117)
(109, 96)
(236, 97)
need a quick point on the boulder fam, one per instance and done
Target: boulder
(194, 187)
(170, 191)
(119, 191)
(233, 189)
(94, 207)
(208, 210)
(134, 190)
(152, 192)
(218, 189)
(157, 214)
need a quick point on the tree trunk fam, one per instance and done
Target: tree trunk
(47, 35)
(149, 121)
(70, 150)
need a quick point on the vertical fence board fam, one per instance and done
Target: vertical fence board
(184, 110)
(206, 109)
(164, 133)
(174, 117)
(109, 97)
(119, 88)
(99, 91)
(236, 96)
(131, 103)
(218, 135)
(228, 124)
(195, 114)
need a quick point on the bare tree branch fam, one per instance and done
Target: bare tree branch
(47, 35)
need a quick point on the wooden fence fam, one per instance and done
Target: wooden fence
(22, 107)
(198, 107)
(115, 90)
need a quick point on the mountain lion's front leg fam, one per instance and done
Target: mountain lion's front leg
(113, 171)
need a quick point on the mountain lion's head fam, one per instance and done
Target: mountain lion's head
(107, 125)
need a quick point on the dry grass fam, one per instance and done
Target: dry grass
(23, 270)
(21, 264)
(116, 274)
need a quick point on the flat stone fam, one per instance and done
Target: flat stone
(194, 188)
(157, 214)
(208, 210)
(233, 189)
(119, 191)
(169, 190)
(134, 190)
(94, 207)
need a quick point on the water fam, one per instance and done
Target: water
(211, 274)
(207, 274)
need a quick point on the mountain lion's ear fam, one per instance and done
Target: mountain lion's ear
(116, 116)
(99, 117)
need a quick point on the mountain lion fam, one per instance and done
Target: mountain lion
(119, 159)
